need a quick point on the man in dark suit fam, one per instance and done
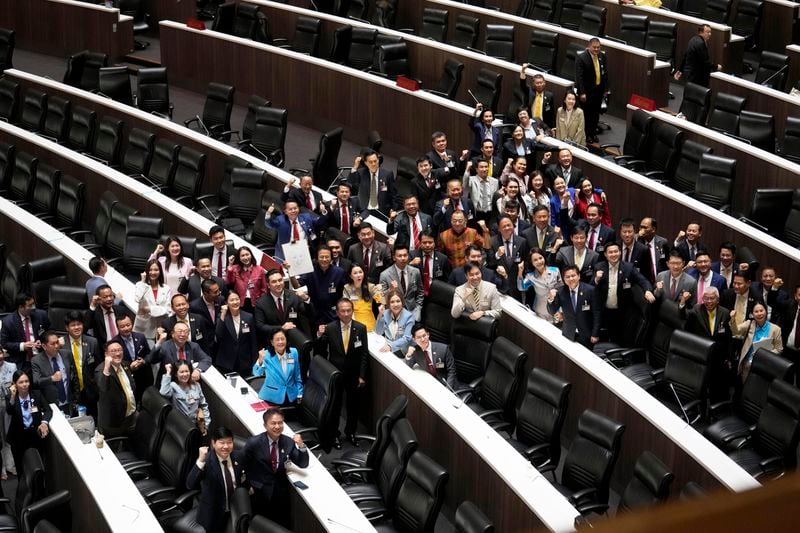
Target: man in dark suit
(562, 169)
(200, 331)
(433, 357)
(511, 210)
(294, 226)
(657, 246)
(496, 163)
(337, 259)
(578, 254)
(726, 267)
(265, 458)
(705, 276)
(324, 285)
(770, 289)
(21, 329)
(452, 202)
(591, 81)
(191, 286)
(740, 298)
(101, 318)
(541, 234)
(445, 159)
(179, 348)
(216, 475)
(279, 309)
(373, 256)
(540, 101)
(135, 351)
(688, 244)
(346, 344)
(428, 185)
(117, 404)
(209, 303)
(597, 233)
(84, 353)
(55, 376)
(709, 319)
(238, 349)
(507, 251)
(306, 197)
(408, 224)
(579, 307)
(221, 252)
(635, 252)
(345, 212)
(374, 185)
(431, 264)
(696, 65)
(674, 282)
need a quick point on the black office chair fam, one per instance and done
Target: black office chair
(499, 41)
(684, 382)
(715, 182)
(633, 29)
(487, 89)
(772, 448)
(95, 238)
(50, 514)
(743, 413)
(42, 273)
(7, 43)
(543, 10)
(718, 11)
(593, 20)
(637, 139)
(465, 34)
(791, 231)
(8, 153)
(434, 24)
(772, 70)
(62, 300)
(246, 21)
(356, 9)
(362, 48)
(324, 167)
(82, 128)
(687, 171)
(217, 110)
(392, 61)
(56, 120)
(471, 346)
(543, 51)
(208, 205)
(22, 177)
(108, 141)
(747, 21)
(307, 32)
(152, 92)
(570, 15)
(663, 155)
(34, 110)
(189, 174)
(83, 69)
(138, 153)
(384, 14)
(540, 418)
(141, 20)
(724, 115)
(436, 311)
(115, 83)
(9, 100)
(269, 136)
(141, 234)
(696, 103)
(758, 129)
(649, 484)
(44, 191)
(247, 186)
(448, 84)
(589, 463)
(30, 489)
(163, 165)
(567, 69)
(117, 228)
(12, 278)
(769, 210)
(318, 414)
(661, 39)
(470, 519)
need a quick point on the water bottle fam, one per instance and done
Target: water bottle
(81, 410)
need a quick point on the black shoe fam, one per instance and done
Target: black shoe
(353, 440)
(337, 443)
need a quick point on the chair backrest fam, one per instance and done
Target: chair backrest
(747, 21)
(770, 208)
(392, 60)
(7, 44)
(269, 134)
(567, 69)
(384, 13)
(637, 136)
(434, 24)
(189, 174)
(470, 519)
(669, 319)
(34, 110)
(695, 103)
(340, 47)
(12, 281)
(8, 154)
(778, 428)
(90, 74)
(56, 121)
(421, 494)
(61, 300)
(472, 345)
(108, 140)
(633, 29)
(649, 485)
(247, 185)
(31, 483)
(357, 9)
(321, 400)
(543, 51)
(500, 41)
(687, 365)
(661, 39)
(543, 10)
(667, 142)
(51, 514)
(70, 203)
(436, 311)
(717, 11)
(9, 99)
(249, 122)
(218, 105)
(22, 177)
(102, 219)
(142, 234)
(41, 274)
(759, 129)
(772, 70)
(791, 231)
(502, 378)
(45, 189)
(688, 169)
(117, 229)
(541, 414)
(362, 48)
(765, 368)
(138, 152)
(593, 454)
(391, 465)
(115, 82)
(75, 62)
(152, 90)
(149, 429)
(177, 450)
(325, 167)
(245, 23)
(223, 19)
(725, 112)
(487, 88)
(383, 428)
(715, 182)
(82, 127)
(570, 15)
(466, 32)
(164, 163)
(451, 78)
(593, 20)
(306, 35)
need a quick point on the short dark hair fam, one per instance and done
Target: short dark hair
(728, 245)
(422, 159)
(581, 227)
(103, 287)
(568, 268)
(539, 208)
(418, 326)
(221, 433)
(702, 252)
(215, 229)
(273, 271)
(365, 225)
(179, 295)
(96, 263)
(206, 284)
(627, 222)
(427, 232)
(73, 316)
(344, 184)
(272, 411)
(595, 204)
(612, 243)
(46, 335)
(675, 253)
(399, 247)
(22, 299)
(436, 134)
(107, 345)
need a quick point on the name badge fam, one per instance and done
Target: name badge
(250, 285)
(292, 314)
(383, 188)
(586, 307)
(34, 409)
(439, 364)
(379, 263)
(357, 343)
(331, 289)
(437, 273)
(190, 400)
(245, 327)
(289, 361)
(721, 328)
(599, 248)
(198, 335)
(437, 185)
(626, 285)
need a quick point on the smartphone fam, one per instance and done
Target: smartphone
(300, 485)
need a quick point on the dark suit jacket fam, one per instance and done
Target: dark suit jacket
(685, 283)
(258, 465)
(343, 263)
(334, 216)
(510, 150)
(697, 323)
(640, 259)
(441, 218)
(211, 483)
(297, 195)
(428, 196)
(717, 281)
(200, 330)
(727, 300)
(355, 362)
(387, 191)
(144, 374)
(480, 130)
(42, 370)
(191, 287)
(776, 299)
(683, 249)
(583, 321)
(198, 307)
(268, 319)
(236, 352)
(532, 238)
(548, 105)
(585, 76)
(496, 167)
(402, 226)
(627, 276)
(442, 361)
(519, 253)
(113, 402)
(454, 169)
(380, 259)
(441, 266)
(91, 355)
(167, 353)
(16, 426)
(12, 333)
(566, 257)
(95, 321)
(786, 316)
(696, 64)
(662, 248)
(554, 170)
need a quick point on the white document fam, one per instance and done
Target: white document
(298, 256)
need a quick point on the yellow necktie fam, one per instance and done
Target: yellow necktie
(476, 298)
(711, 322)
(125, 391)
(76, 356)
(596, 69)
(741, 310)
(537, 106)
(346, 338)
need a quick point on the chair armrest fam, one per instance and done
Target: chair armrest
(281, 41)
(490, 412)
(344, 463)
(637, 164)
(138, 467)
(370, 438)
(205, 197)
(598, 508)
(657, 375)
(305, 431)
(158, 492)
(654, 174)
(356, 470)
(714, 408)
(374, 515)
(610, 145)
(744, 434)
(502, 426)
(185, 498)
(583, 493)
(546, 468)
(187, 122)
(772, 464)
(117, 440)
(535, 449)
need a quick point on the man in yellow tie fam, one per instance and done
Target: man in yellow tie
(538, 99)
(591, 82)
(84, 352)
(117, 404)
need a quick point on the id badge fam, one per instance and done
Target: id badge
(190, 400)
(292, 314)
(586, 307)
(331, 289)
(245, 327)
(250, 286)
(379, 263)
(357, 343)
(198, 335)
(289, 361)
(626, 285)
(34, 409)
(439, 364)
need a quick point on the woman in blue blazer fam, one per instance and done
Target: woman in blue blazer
(282, 386)
(395, 324)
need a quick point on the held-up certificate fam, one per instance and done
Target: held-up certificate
(298, 256)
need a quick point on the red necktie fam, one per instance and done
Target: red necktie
(591, 239)
(274, 456)
(701, 288)
(181, 354)
(672, 289)
(112, 328)
(308, 202)
(457, 206)
(345, 221)
(219, 264)
(431, 369)
(366, 261)
(279, 301)
(415, 230)
(295, 231)
(426, 274)
(28, 337)
(652, 262)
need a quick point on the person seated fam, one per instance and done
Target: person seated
(433, 357)
(152, 296)
(395, 324)
(280, 366)
(476, 298)
(186, 395)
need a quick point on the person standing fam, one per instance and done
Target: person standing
(591, 80)
(30, 416)
(117, 404)
(696, 66)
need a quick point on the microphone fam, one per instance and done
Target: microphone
(473, 96)
(680, 404)
(446, 384)
(149, 182)
(203, 203)
(200, 122)
(332, 521)
(766, 81)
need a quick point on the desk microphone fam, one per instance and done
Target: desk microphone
(473, 97)
(213, 217)
(335, 522)
(766, 81)
(680, 404)
(446, 384)
(149, 182)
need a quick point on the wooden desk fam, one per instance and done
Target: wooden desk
(793, 51)
(759, 98)
(777, 23)
(64, 27)
(177, 10)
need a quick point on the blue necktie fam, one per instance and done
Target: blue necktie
(62, 393)
(574, 300)
(27, 416)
